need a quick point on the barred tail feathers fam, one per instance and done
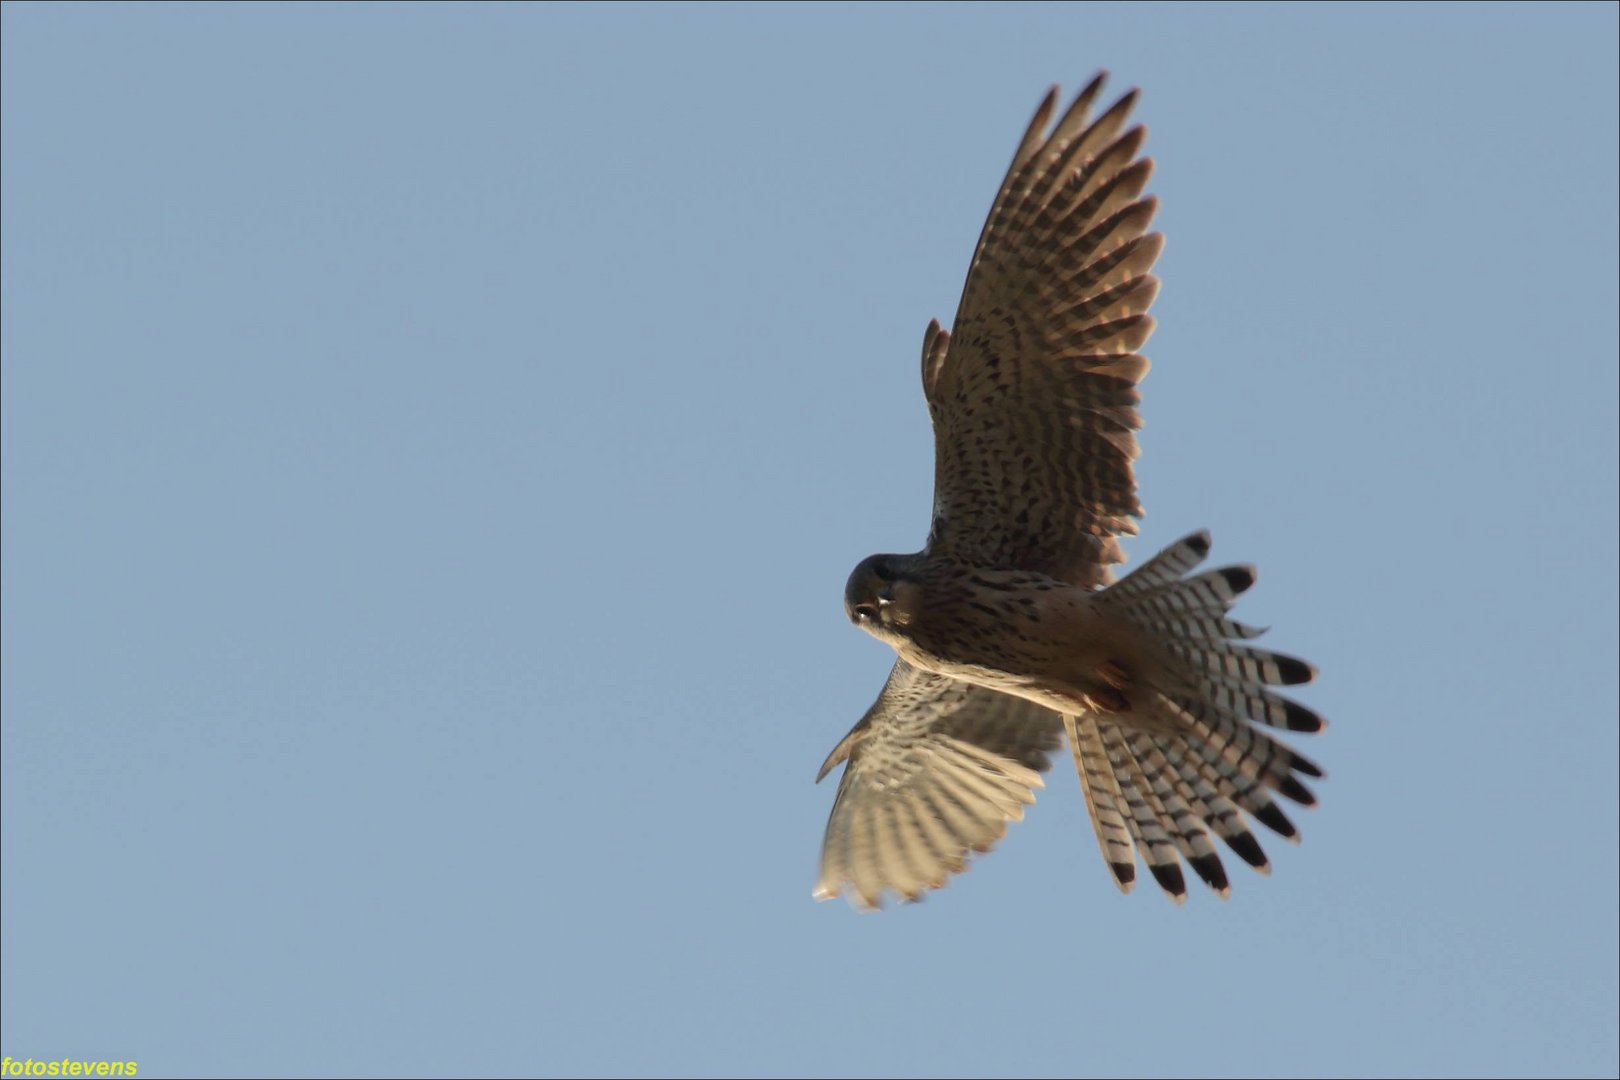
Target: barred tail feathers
(1192, 756)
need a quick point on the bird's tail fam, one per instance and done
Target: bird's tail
(1191, 757)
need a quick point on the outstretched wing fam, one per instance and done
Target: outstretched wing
(937, 768)
(1033, 392)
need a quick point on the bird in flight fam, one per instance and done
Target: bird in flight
(1012, 634)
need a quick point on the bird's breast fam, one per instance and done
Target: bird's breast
(1021, 633)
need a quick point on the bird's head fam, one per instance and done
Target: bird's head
(869, 598)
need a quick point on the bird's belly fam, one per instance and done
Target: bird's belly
(1059, 657)
(1032, 678)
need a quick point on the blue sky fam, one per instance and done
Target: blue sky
(435, 440)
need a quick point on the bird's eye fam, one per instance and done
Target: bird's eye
(866, 612)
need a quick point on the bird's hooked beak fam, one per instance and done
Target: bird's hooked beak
(869, 594)
(868, 612)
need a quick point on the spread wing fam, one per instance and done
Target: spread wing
(937, 768)
(1033, 392)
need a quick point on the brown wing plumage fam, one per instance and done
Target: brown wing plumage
(937, 768)
(1033, 392)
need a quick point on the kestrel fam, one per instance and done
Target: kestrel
(1009, 630)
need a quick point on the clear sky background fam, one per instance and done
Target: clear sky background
(435, 441)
